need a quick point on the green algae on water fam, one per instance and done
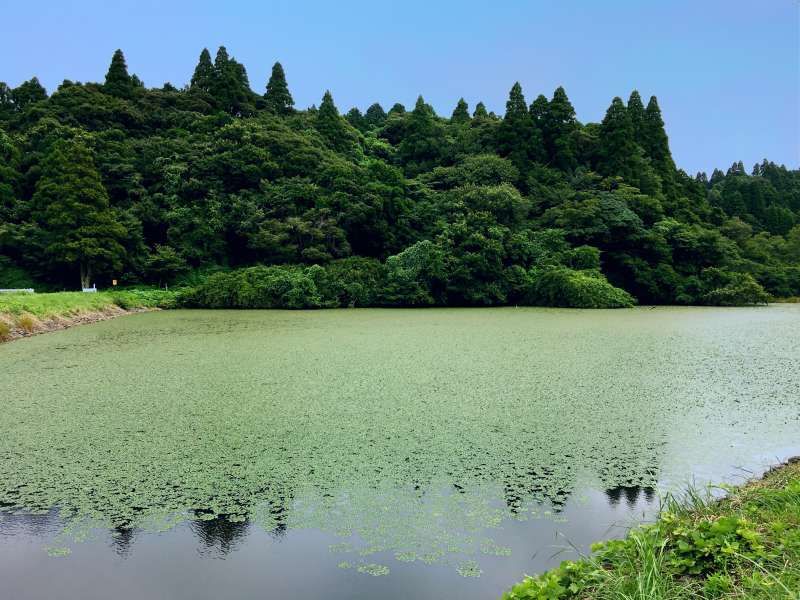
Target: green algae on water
(414, 433)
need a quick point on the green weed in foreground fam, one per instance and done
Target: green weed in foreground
(745, 546)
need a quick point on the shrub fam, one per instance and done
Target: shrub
(5, 331)
(351, 282)
(27, 322)
(155, 298)
(725, 288)
(258, 287)
(576, 289)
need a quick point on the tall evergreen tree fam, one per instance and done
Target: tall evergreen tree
(716, 176)
(559, 131)
(397, 109)
(76, 227)
(330, 125)
(618, 152)
(518, 137)
(375, 115)
(356, 118)
(203, 77)
(539, 109)
(460, 112)
(278, 99)
(231, 86)
(480, 111)
(422, 144)
(636, 114)
(118, 82)
(656, 143)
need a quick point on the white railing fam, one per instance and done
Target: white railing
(16, 291)
(92, 289)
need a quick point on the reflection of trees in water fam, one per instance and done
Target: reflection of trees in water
(219, 535)
(631, 495)
(31, 524)
(640, 468)
(122, 540)
(549, 478)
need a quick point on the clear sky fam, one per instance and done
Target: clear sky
(726, 72)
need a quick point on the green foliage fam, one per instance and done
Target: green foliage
(731, 289)
(460, 112)
(118, 82)
(332, 127)
(216, 176)
(258, 287)
(72, 220)
(144, 298)
(618, 150)
(14, 277)
(519, 138)
(577, 289)
(278, 100)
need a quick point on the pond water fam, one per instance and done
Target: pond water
(348, 454)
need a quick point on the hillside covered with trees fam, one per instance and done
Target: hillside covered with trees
(255, 202)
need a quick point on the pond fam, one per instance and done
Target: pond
(347, 454)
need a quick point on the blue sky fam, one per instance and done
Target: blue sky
(726, 72)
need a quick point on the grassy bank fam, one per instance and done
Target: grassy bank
(744, 546)
(26, 314)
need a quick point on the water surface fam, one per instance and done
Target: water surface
(370, 453)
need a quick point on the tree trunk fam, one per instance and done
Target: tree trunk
(86, 276)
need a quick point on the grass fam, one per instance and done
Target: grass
(27, 311)
(745, 546)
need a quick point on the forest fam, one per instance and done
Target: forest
(248, 201)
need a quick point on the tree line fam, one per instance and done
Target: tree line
(254, 202)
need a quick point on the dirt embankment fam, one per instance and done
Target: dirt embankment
(13, 327)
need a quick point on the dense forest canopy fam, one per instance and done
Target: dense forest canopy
(259, 203)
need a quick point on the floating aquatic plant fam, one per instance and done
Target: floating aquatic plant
(416, 433)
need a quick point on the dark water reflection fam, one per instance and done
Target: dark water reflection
(183, 563)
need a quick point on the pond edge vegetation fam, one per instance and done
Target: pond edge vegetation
(281, 287)
(744, 545)
(25, 314)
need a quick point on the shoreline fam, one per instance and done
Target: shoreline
(698, 547)
(37, 326)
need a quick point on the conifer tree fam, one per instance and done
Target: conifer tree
(716, 176)
(461, 112)
(355, 117)
(203, 77)
(636, 114)
(375, 115)
(118, 82)
(539, 109)
(75, 226)
(559, 131)
(480, 111)
(330, 125)
(278, 99)
(397, 109)
(518, 137)
(617, 151)
(422, 144)
(656, 143)
(231, 87)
